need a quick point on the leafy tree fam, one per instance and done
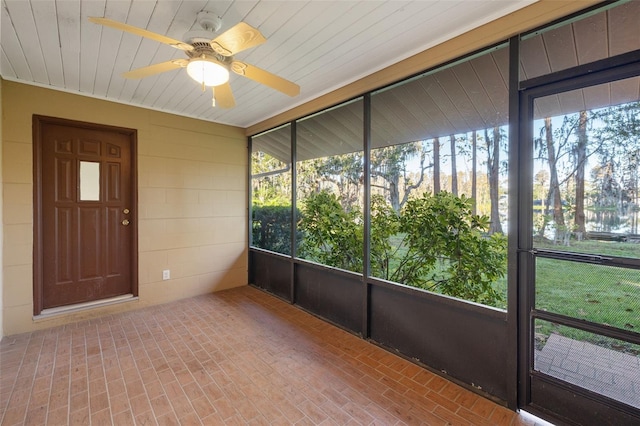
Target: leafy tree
(271, 228)
(436, 243)
(385, 224)
(565, 150)
(447, 248)
(332, 235)
(616, 175)
(271, 180)
(612, 137)
(345, 172)
(271, 203)
(390, 171)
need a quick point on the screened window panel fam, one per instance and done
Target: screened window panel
(587, 157)
(271, 190)
(330, 187)
(439, 149)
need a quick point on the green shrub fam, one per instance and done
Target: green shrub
(436, 243)
(448, 249)
(271, 228)
(332, 236)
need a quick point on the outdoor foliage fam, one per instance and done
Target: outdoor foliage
(588, 177)
(384, 247)
(271, 228)
(436, 243)
(447, 248)
(332, 236)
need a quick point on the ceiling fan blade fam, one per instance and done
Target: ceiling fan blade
(156, 68)
(240, 37)
(141, 32)
(224, 96)
(266, 78)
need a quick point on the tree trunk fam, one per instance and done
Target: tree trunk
(436, 165)
(554, 186)
(474, 179)
(408, 188)
(454, 168)
(493, 170)
(581, 159)
(394, 193)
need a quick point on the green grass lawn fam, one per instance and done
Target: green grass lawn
(596, 293)
(600, 294)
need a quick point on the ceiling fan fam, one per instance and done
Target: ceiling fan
(209, 57)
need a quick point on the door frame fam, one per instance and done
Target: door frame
(37, 128)
(564, 400)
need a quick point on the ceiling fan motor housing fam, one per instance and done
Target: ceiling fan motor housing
(200, 38)
(210, 57)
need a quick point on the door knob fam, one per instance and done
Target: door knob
(125, 222)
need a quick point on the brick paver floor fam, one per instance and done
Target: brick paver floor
(234, 357)
(599, 369)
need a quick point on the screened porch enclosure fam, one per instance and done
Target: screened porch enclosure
(341, 198)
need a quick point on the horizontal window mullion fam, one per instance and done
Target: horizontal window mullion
(623, 262)
(585, 325)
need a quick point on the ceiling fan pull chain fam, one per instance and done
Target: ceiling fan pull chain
(213, 97)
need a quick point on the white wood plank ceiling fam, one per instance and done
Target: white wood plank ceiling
(319, 45)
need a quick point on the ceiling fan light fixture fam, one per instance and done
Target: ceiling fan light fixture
(207, 72)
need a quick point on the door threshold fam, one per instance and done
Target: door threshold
(60, 310)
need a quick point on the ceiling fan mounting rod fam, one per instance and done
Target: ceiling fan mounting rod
(209, 21)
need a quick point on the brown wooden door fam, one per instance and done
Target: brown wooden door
(86, 213)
